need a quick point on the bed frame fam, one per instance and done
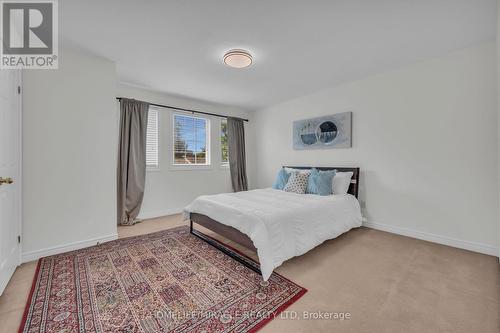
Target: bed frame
(239, 237)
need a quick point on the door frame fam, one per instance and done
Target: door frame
(20, 166)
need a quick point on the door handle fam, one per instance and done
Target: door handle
(7, 180)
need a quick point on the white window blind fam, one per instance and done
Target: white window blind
(152, 139)
(191, 142)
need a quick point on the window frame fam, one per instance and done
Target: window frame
(223, 165)
(208, 164)
(157, 167)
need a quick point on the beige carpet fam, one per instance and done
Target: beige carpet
(387, 283)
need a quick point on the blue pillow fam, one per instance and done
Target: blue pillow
(311, 183)
(320, 182)
(281, 179)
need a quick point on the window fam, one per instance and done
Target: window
(191, 141)
(223, 143)
(152, 140)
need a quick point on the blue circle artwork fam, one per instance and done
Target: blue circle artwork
(326, 132)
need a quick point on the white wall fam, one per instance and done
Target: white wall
(69, 154)
(498, 113)
(169, 190)
(425, 137)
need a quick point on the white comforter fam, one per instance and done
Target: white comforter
(281, 224)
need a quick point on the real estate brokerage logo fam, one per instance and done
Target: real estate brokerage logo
(29, 34)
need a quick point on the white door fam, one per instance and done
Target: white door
(10, 173)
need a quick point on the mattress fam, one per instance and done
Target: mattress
(281, 225)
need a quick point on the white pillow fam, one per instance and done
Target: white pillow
(290, 170)
(341, 182)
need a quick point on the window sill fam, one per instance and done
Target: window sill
(191, 167)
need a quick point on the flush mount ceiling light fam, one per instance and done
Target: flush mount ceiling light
(238, 58)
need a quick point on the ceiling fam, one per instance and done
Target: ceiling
(298, 46)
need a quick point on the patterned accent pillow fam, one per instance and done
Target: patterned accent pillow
(297, 183)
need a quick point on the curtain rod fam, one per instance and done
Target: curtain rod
(189, 110)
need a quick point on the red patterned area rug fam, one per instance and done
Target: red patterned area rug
(169, 281)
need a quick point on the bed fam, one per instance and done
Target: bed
(278, 225)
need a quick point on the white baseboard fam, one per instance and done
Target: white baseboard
(160, 213)
(445, 240)
(35, 255)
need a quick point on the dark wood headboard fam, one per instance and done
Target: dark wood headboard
(353, 188)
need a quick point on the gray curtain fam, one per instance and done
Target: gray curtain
(131, 170)
(236, 147)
